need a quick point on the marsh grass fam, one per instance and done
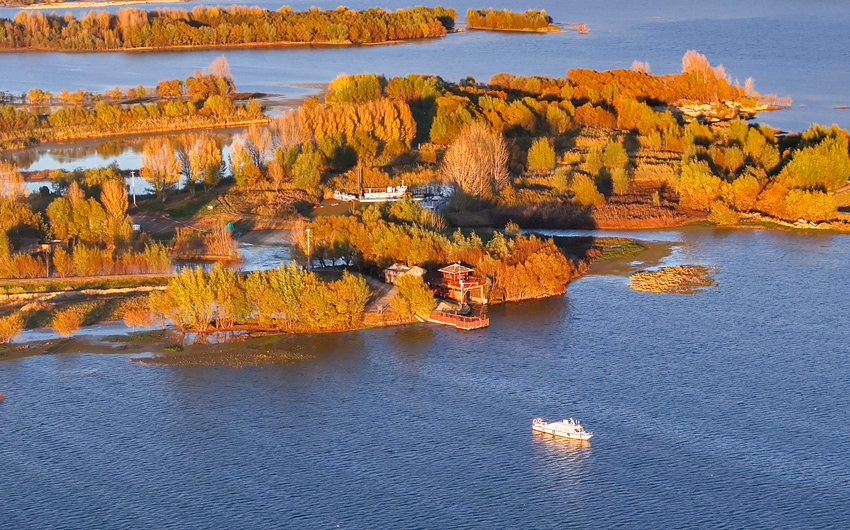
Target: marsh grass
(679, 279)
(48, 285)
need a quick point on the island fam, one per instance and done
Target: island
(492, 19)
(216, 27)
(460, 169)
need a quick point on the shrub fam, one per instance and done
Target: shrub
(541, 156)
(722, 214)
(63, 264)
(413, 297)
(11, 326)
(585, 191)
(68, 321)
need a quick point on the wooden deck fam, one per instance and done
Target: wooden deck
(458, 321)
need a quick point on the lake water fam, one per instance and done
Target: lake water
(726, 409)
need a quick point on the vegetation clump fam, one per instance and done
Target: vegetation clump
(680, 279)
(281, 299)
(493, 19)
(516, 268)
(212, 356)
(203, 100)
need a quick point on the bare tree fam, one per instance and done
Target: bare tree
(642, 67)
(287, 130)
(11, 181)
(477, 160)
(698, 65)
(219, 67)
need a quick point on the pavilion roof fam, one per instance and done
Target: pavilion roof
(454, 268)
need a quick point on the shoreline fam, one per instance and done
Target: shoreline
(549, 29)
(240, 333)
(193, 47)
(223, 126)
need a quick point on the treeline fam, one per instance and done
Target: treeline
(288, 298)
(316, 138)
(746, 169)
(133, 28)
(518, 267)
(367, 120)
(531, 20)
(207, 104)
(561, 150)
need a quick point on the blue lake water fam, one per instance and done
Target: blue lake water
(726, 409)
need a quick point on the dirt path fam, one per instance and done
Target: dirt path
(161, 225)
(382, 293)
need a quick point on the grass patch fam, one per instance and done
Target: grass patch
(93, 311)
(153, 336)
(680, 279)
(49, 285)
(616, 248)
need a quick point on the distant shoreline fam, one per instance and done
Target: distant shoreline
(223, 46)
(92, 3)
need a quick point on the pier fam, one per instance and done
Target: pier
(459, 321)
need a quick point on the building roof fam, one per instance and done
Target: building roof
(400, 267)
(416, 271)
(454, 268)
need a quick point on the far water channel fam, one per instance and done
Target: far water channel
(724, 409)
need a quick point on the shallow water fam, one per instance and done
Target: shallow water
(725, 409)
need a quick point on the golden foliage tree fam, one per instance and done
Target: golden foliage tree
(68, 321)
(11, 181)
(541, 156)
(118, 225)
(413, 297)
(11, 326)
(160, 167)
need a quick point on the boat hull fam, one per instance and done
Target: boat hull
(545, 429)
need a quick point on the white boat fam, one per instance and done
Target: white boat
(568, 428)
(343, 196)
(390, 193)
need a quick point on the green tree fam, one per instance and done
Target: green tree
(307, 169)
(541, 156)
(413, 297)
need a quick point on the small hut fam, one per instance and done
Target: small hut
(456, 282)
(391, 274)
